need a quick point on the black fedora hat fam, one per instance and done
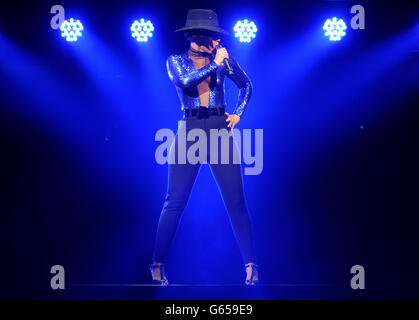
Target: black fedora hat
(202, 19)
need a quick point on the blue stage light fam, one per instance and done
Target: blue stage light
(335, 29)
(245, 30)
(142, 30)
(71, 29)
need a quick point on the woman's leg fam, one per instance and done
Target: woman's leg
(229, 179)
(180, 183)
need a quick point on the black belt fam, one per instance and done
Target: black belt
(204, 112)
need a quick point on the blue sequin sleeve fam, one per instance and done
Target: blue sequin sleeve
(184, 78)
(244, 84)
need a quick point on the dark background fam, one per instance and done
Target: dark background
(80, 186)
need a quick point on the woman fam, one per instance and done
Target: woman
(199, 80)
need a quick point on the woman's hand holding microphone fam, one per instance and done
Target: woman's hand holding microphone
(222, 54)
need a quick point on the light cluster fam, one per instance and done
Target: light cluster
(245, 30)
(71, 29)
(142, 30)
(334, 29)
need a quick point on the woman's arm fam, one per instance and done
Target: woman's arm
(242, 81)
(185, 79)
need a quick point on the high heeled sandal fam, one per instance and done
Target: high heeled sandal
(251, 281)
(161, 281)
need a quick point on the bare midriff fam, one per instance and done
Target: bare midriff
(203, 87)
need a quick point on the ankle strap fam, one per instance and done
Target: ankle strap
(251, 264)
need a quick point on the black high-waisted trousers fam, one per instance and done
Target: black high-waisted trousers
(181, 180)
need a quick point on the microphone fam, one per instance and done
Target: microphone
(226, 63)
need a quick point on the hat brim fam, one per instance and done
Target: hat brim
(214, 29)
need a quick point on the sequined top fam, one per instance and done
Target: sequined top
(182, 73)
